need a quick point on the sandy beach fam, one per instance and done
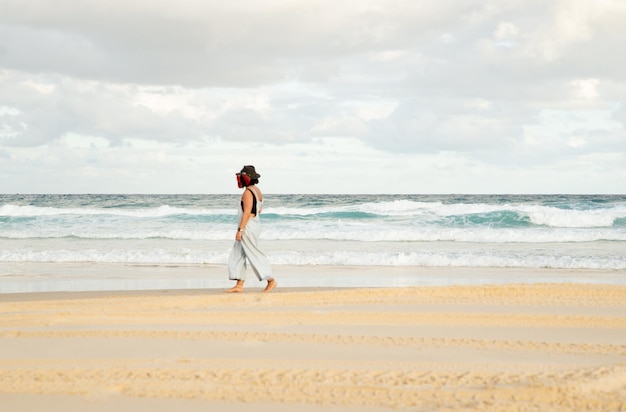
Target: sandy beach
(544, 347)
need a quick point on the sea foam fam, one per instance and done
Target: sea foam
(394, 230)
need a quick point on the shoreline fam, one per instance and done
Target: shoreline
(36, 277)
(507, 347)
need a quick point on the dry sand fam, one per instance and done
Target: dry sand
(465, 348)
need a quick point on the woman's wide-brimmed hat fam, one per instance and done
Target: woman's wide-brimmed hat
(249, 171)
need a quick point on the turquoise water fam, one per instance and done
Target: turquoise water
(462, 231)
(407, 224)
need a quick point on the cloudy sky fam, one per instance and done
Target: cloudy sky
(324, 96)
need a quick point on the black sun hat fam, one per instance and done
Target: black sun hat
(249, 171)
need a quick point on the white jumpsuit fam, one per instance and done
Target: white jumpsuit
(246, 252)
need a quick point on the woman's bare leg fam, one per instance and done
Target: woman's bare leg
(271, 284)
(238, 288)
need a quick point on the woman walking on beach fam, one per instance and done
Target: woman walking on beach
(246, 249)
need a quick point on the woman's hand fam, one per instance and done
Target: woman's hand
(238, 236)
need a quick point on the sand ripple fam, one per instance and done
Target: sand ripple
(496, 348)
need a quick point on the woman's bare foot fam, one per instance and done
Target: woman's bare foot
(238, 288)
(271, 284)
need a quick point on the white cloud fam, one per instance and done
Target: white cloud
(482, 90)
(586, 88)
(73, 141)
(506, 34)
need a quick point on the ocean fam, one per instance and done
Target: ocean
(92, 231)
